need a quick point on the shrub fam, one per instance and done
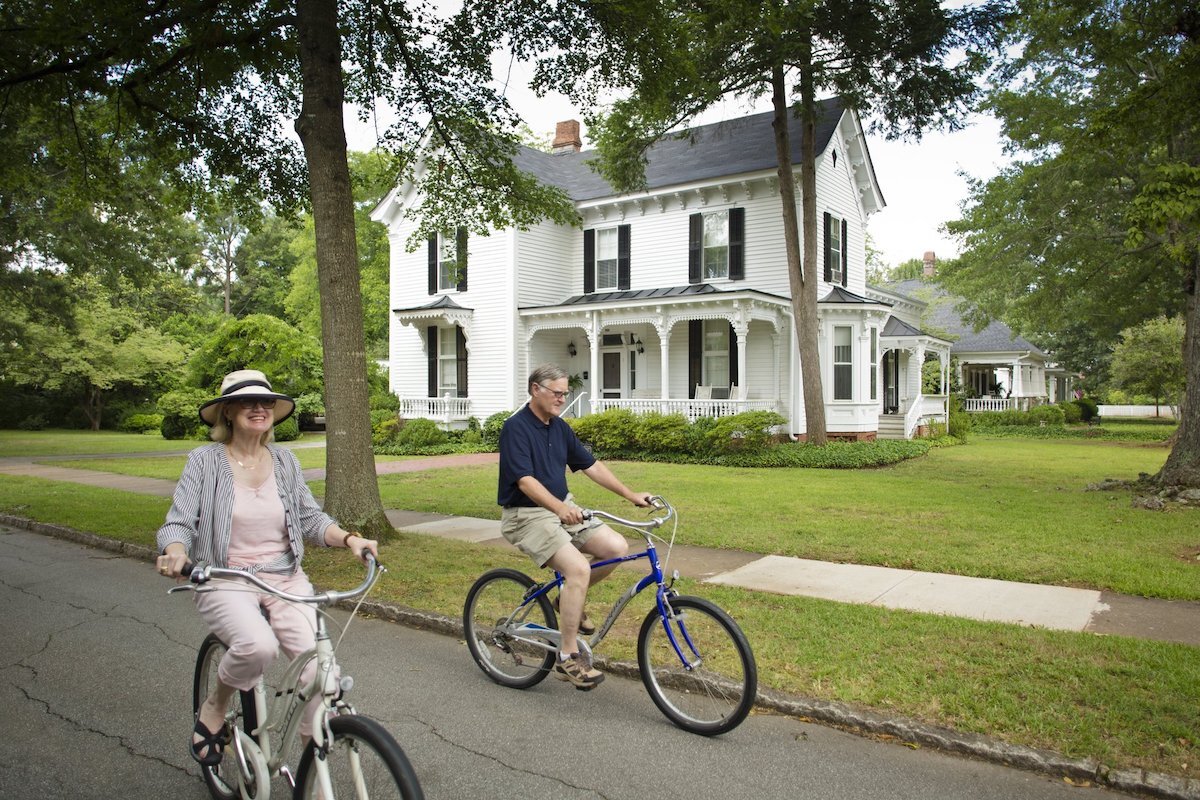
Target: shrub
(1087, 408)
(748, 431)
(180, 417)
(610, 431)
(141, 423)
(960, 424)
(418, 433)
(660, 432)
(1048, 415)
(288, 430)
(492, 426)
(1071, 413)
(34, 422)
(384, 427)
(309, 406)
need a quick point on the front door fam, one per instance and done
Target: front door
(891, 381)
(610, 372)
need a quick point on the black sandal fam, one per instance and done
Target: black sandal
(213, 744)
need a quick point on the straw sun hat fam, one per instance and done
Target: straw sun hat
(247, 384)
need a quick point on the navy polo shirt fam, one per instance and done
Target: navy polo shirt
(529, 447)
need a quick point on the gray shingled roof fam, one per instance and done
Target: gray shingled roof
(733, 147)
(443, 301)
(839, 294)
(942, 316)
(898, 327)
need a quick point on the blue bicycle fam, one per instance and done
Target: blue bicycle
(693, 658)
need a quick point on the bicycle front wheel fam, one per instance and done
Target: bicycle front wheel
(222, 779)
(491, 621)
(711, 689)
(364, 761)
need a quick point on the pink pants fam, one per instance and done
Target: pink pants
(254, 626)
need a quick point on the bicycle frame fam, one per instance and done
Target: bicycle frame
(280, 715)
(549, 640)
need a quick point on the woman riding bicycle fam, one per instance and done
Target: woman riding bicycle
(242, 502)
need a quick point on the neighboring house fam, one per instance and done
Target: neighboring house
(671, 299)
(996, 368)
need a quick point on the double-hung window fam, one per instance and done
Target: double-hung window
(716, 352)
(607, 275)
(716, 245)
(447, 262)
(874, 363)
(835, 249)
(843, 363)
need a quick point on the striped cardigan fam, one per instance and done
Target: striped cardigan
(201, 515)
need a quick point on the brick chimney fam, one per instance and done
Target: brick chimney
(930, 264)
(566, 137)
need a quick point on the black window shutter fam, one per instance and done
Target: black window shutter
(695, 245)
(828, 266)
(737, 238)
(433, 264)
(733, 351)
(845, 255)
(460, 250)
(461, 352)
(589, 261)
(431, 344)
(695, 355)
(622, 256)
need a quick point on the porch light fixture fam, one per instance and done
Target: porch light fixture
(638, 343)
(571, 351)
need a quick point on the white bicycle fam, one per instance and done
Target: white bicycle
(349, 755)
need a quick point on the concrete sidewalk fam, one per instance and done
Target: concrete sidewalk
(1054, 607)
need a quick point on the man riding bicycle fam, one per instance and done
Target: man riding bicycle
(540, 517)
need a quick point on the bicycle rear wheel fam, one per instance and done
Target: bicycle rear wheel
(222, 779)
(364, 761)
(711, 694)
(490, 635)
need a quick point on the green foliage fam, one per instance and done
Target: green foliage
(308, 406)
(420, 433)
(1149, 359)
(1071, 412)
(141, 423)
(381, 397)
(384, 427)
(661, 432)
(1088, 409)
(34, 422)
(1037, 416)
(288, 430)
(748, 432)
(289, 359)
(610, 431)
(491, 428)
(961, 424)
(180, 412)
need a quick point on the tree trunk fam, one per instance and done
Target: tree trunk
(1182, 467)
(802, 273)
(352, 489)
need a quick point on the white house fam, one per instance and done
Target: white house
(674, 299)
(997, 369)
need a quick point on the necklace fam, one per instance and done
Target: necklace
(242, 464)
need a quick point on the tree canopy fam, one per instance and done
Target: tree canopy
(1095, 224)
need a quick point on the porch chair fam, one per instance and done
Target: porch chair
(703, 392)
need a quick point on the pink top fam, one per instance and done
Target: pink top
(259, 534)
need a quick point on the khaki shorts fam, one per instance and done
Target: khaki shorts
(540, 534)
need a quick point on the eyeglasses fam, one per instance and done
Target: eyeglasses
(557, 395)
(250, 402)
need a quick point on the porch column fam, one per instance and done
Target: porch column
(594, 357)
(664, 362)
(777, 367)
(741, 330)
(1018, 384)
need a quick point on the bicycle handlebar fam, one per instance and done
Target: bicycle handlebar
(200, 574)
(656, 502)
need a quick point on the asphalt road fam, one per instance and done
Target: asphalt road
(96, 698)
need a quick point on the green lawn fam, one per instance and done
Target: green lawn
(997, 507)
(82, 443)
(1011, 509)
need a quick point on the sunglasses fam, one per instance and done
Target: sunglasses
(250, 402)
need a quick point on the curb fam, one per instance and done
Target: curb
(853, 720)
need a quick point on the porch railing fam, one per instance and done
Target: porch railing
(444, 409)
(692, 409)
(1001, 403)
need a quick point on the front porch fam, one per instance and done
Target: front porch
(691, 409)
